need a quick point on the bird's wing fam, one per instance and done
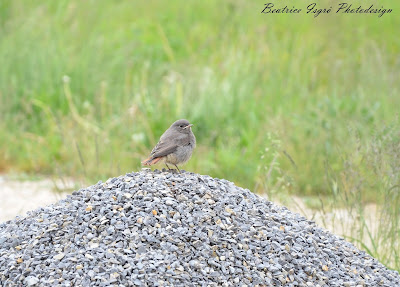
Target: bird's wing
(162, 149)
(167, 145)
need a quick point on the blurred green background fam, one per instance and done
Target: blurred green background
(283, 103)
(87, 87)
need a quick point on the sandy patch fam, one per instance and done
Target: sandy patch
(18, 197)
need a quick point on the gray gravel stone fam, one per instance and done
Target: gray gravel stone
(166, 229)
(31, 281)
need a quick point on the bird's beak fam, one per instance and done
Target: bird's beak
(188, 126)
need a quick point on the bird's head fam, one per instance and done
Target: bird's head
(182, 126)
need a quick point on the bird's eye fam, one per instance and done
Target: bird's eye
(181, 126)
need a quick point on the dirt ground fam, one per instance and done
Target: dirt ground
(18, 197)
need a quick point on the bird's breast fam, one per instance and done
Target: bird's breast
(181, 155)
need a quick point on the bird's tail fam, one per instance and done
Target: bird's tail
(151, 160)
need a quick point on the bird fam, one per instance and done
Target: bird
(175, 145)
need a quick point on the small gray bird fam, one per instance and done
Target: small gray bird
(175, 145)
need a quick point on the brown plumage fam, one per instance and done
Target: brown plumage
(175, 145)
(151, 161)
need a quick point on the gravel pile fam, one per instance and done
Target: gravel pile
(167, 229)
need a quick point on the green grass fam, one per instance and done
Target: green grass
(372, 165)
(87, 88)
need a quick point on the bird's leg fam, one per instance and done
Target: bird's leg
(177, 168)
(167, 166)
